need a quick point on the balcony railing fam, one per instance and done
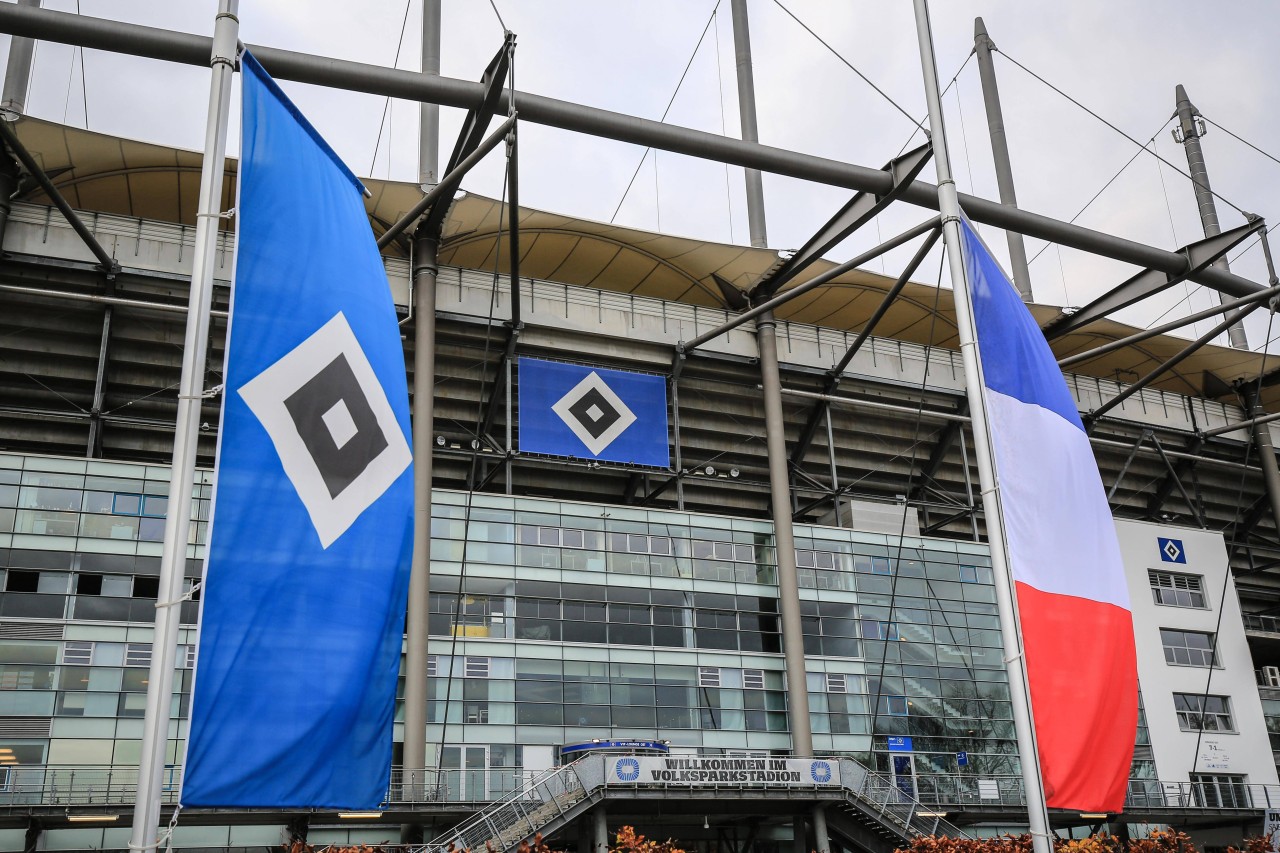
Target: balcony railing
(25, 786)
(1255, 622)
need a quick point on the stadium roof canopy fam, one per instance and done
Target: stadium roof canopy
(104, 173)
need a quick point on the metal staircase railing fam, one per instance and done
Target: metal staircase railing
(504, 824)
(879, 795)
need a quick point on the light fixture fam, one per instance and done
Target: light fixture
(734, 472)
(93, 818)
(706, 824)
(440, 440)
(1095, 815)
(931, 814)
(709, 471)
(359, 815)
(475, 444)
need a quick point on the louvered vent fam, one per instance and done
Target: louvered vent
(30, 631)
(24, 727)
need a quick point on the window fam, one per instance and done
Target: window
(476, 668)
(836, 683)
(76, 653)
(137, 654)
(433, 665)
(1200, 713)
(753, 679)
(875, 629)
(20, 580)
(189, 656)
(708, 676)
(1220, 790)
(1188, 648)
(1174, 590)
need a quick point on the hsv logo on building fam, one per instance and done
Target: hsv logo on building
(593, 413)
(1171, 550)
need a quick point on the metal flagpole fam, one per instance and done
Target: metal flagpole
(155, 732)
(949, 206)
(426, 245)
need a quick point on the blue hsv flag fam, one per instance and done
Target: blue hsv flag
(593, 413)
(308, 569)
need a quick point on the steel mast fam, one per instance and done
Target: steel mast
(173, 562)
(949, 206)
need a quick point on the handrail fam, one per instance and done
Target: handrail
(504, 823)
(24, 786)
(896, 803)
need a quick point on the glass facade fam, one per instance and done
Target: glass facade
(551, 622)
(599, 621)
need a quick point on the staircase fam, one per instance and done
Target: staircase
(874, 814)
(881, 813)
(547, 802)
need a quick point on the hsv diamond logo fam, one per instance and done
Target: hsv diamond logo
(331, 425)
(1171, 550)
(593, 413)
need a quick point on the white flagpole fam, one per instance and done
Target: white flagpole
(155, 732)
(1006, 602)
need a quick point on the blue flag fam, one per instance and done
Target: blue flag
(307, 577)
(593, 413)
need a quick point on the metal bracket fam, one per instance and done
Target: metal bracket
(1200, 255)
(860, 210)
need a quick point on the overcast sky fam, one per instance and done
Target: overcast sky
(1121, 60)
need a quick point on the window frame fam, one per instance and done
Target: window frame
(1186, 715)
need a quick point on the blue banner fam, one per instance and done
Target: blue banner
(593, 413)
(307, 576)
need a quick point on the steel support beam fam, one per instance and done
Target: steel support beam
(11, 141)
(424, 271)
(142, 305)
(1266, 451)
(1177, 482)
(1170, 363)
(446, 188)
(817, 281)
(1184, 468)
(1147, 334)
(775, 423)
(17, 75)
(859, 211)
(983, 47)
(8, 187)
(1241, 425)
(837, 371)
(1188, 132)
(1200, 257)
(93, 447)
(188, 49)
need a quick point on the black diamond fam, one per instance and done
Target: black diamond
(339, 466)
(595, 425)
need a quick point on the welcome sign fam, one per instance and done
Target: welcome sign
(711, 771)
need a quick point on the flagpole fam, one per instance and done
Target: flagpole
(1006, 602)
(156, 721)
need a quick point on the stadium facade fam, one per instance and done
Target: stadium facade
(577, 601)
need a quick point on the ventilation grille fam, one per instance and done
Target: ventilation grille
(16, 727)
(30, 631)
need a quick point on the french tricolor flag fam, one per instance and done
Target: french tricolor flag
(1073, 603)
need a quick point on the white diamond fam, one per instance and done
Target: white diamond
(595, 413)
(340, 423)
(595, 444)
(265, 395)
